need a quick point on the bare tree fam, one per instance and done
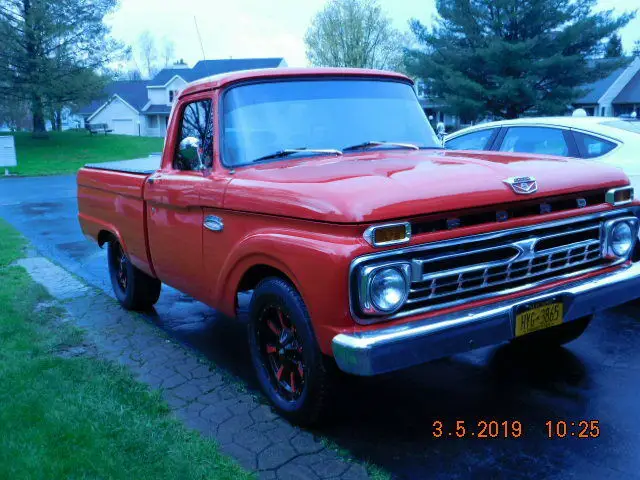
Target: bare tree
(147, 51)
(354, 33)
(168, 51)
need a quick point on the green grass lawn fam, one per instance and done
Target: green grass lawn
(66, 152)
(80, 417)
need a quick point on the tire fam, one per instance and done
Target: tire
(134, 289)
(292, 371)
(555, 336)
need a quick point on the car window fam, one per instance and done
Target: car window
(546, 141)
(592, 147)
(196, 123)
(471, 141)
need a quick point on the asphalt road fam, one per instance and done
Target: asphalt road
(389, 420)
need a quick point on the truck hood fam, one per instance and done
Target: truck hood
(384, 185)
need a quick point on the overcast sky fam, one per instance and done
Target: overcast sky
(264, 28)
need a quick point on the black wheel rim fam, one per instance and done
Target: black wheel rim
(120, 265)
(282, 352)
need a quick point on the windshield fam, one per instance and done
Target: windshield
(264, 118)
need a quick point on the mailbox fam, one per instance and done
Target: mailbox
(7, 153)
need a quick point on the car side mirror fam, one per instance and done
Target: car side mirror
(190, 152)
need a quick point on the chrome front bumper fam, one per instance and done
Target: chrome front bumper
(394, 348)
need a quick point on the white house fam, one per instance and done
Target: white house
(142, 107)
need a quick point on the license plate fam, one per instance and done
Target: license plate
(538, 317)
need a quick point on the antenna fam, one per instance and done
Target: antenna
(204, 57)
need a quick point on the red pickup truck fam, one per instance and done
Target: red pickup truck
(368, 248)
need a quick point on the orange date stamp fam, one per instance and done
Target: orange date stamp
(488, 429)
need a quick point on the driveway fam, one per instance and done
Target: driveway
(388, 420)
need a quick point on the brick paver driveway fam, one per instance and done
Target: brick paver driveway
(388, 420)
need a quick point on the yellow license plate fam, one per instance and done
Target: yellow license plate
(538, 318)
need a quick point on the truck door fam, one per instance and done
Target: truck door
(174, 212)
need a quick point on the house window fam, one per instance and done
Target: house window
(172, 95)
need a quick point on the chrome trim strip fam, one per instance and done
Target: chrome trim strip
(396, 347)
(466, 240)
(610, 196)
(369, 234)
(417, 263)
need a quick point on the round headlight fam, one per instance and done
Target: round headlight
(388, 290)
(621, 239)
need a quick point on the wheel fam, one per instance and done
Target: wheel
(292, 371)
(134, 289)
(554, 336)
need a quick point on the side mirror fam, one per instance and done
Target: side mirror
(190, 152)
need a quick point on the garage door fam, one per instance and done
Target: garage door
(123, 127)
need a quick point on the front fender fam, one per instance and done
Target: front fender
(316, 264)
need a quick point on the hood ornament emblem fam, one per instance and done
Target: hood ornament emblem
(522, 185)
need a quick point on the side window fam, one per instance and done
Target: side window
(592, 147)
(471, 141)
(546, 141)
(195, 143)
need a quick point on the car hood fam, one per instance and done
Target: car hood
(384, 185)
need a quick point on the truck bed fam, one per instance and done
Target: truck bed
(111, 199)
(140, 166)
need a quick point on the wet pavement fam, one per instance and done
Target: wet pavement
(389, 420)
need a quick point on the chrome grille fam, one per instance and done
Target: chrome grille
(477, 277)
(451, 272)
(526, 257)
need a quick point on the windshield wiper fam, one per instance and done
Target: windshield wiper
(291, 151)
(374, 143)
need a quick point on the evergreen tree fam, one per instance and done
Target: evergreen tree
(614, 47)
(51, 52)
(510, 57)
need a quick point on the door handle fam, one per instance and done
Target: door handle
(153, 179)
(213, 223)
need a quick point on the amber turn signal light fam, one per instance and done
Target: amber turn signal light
(392, 234)
(620, 196)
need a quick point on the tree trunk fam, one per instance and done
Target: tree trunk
(37, 111)
(58, 116)
(512, 112)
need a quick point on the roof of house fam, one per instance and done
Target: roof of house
(157, 109)
(205, 68)
(631, 92)
(134, 92)
(597, 89)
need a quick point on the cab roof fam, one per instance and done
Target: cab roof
(222, 79)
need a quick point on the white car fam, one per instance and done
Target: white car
(615, 141)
